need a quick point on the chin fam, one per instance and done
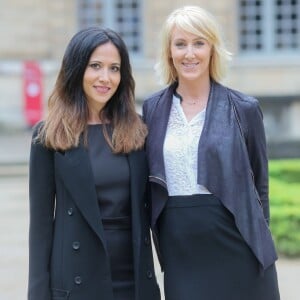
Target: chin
(191, 78)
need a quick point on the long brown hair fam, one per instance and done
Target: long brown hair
(66, 121)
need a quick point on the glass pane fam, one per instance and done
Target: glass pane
(287, 31)
(90, 12)
(251, 29)
(128, 22)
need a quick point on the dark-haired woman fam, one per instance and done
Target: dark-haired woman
(89, 231)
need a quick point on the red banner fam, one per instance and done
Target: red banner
(33, 103)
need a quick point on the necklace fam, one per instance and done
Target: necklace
(193, 102)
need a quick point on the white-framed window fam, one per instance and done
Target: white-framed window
(123, 16)
(269, 26)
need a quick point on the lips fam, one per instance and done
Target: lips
(190, 65)
(102, 89)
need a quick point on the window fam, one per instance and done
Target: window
(90, 12)
(269, 26)
(123, 16)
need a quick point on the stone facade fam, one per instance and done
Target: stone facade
(40, 30)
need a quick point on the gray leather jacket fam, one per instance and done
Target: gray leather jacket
(232, 161)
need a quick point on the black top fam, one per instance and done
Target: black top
(112, 177)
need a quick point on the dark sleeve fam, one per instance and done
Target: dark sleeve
(41, 209)
(257, 151)
(144, 112)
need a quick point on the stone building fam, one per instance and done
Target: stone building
(263, 35)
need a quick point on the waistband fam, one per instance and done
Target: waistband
(193, 200)
(117, 223)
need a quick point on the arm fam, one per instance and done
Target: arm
(257, 151)
(41, 205)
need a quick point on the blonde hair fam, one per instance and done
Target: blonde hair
(197, 21)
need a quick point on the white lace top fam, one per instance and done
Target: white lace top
(181, 152)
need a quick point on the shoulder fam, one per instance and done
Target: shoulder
(151, 102)
(247, 107)
(40, 155)
(242, 101)
(37, 128)
(153, 98)
(248, 110)
(37, 140)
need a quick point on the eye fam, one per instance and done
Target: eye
(199, 43)
(179, 44)
(95, 66)
(115, 69)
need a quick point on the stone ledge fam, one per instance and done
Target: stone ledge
(284, 149)
(13, 170)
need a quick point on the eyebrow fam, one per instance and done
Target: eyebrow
(195, 39)
(99, 62)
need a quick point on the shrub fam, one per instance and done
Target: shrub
(285, 205)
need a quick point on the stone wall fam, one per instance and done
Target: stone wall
(40, 30)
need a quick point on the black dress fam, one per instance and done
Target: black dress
(112, 181)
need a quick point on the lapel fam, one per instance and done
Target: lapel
(74, 169)
(138, 179)
(157, 131)
(218, 136)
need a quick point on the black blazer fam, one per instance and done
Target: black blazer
(232, 162)
(67, 251)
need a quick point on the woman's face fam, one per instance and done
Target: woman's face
(102, 76)
(190, 55)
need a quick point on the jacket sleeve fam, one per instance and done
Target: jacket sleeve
(41, 209)
(257, 151)
(145, 112)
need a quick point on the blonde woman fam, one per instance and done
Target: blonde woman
(208, 170)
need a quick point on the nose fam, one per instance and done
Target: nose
(103, 75)
(190, 52)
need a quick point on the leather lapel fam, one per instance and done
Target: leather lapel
(75, 170)
(217, 138)
(157, 132)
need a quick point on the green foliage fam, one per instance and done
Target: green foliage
(285, 205)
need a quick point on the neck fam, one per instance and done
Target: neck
(94, 117)
(194, 92)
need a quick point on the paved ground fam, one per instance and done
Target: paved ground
(14, 151)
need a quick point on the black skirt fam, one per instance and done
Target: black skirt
(118, 236)
(205, 256)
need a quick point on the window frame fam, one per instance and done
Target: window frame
(269, 53)
(109, 20)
